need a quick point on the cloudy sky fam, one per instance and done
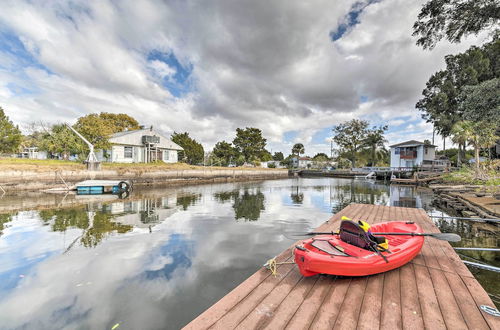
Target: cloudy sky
(291, 68)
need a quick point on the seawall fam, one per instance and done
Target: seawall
(35, 180)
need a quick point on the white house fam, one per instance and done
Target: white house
(32, 153)
(301, 162)
(412, 153)
(275, 163)
(140, 146)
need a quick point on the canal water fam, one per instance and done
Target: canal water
(159, 258)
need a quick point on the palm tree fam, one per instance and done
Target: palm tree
(375, 141)
(478, 134)
(460, 137)
(298, 149)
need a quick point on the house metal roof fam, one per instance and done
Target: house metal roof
(165, 142)
(410, 143)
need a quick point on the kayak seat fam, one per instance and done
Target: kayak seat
(350, 232)
(378, 239)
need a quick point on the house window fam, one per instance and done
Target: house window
(128, 152)
(396, 151)
(166, 155)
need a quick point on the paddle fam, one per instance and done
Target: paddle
(450, 237)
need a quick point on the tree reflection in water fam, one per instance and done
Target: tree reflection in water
(96, 225)
(187, 200)
(246, 206)
(296, 196)
(360, 192)
(4, 219)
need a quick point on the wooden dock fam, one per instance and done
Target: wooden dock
(434, 291)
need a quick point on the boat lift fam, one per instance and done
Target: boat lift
(92, 163)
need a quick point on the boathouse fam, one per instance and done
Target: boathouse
(412, 153)
(140, 146)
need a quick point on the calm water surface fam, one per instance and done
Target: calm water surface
(160, 258)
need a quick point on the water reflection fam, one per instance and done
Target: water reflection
(358, 191)
(158, 259)
(247, 204)
(187, 200)
(4, 219)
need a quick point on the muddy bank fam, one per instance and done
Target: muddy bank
(29, 180)
(468, 200)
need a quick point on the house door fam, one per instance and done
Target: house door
(155, 155)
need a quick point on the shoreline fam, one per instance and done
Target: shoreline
(41, 179)
(467, 200)
(43, 200)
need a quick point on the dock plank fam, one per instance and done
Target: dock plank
(470, 310)
(432, 314)
(309, 307)
(329, 310)
(434, 291)
(369, 317)
(411, 313)
(289, 306)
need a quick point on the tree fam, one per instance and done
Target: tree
(250, 143)
(60, 139)
(287, 161)
(440, 104)
(225, 152)
(298, 149)
(97, 128)
(10, 135)
(481, 101)
(375, 141)
(478, 134)
(460, 137)
(320, 157)
(350, 136)
(119, 122)
(455, 19)
(193, 152)
(265, 156)
(278, 156)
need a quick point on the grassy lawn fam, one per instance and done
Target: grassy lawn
(54, 165)
(466, 175)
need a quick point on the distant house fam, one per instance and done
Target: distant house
(32, 153)
(302, 162)
(275, 163)
(412, 153)
(140, 146)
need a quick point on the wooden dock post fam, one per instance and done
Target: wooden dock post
(433, 291)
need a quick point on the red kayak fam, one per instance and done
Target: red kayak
(347, 253)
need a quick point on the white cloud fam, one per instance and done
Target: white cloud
(270, 65)
(161, 69)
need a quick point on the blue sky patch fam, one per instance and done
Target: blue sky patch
(351, 19)
(180, 250)
(320, 136)
(10, 44)
(290, 136)
(181, 83)
(363, 99)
